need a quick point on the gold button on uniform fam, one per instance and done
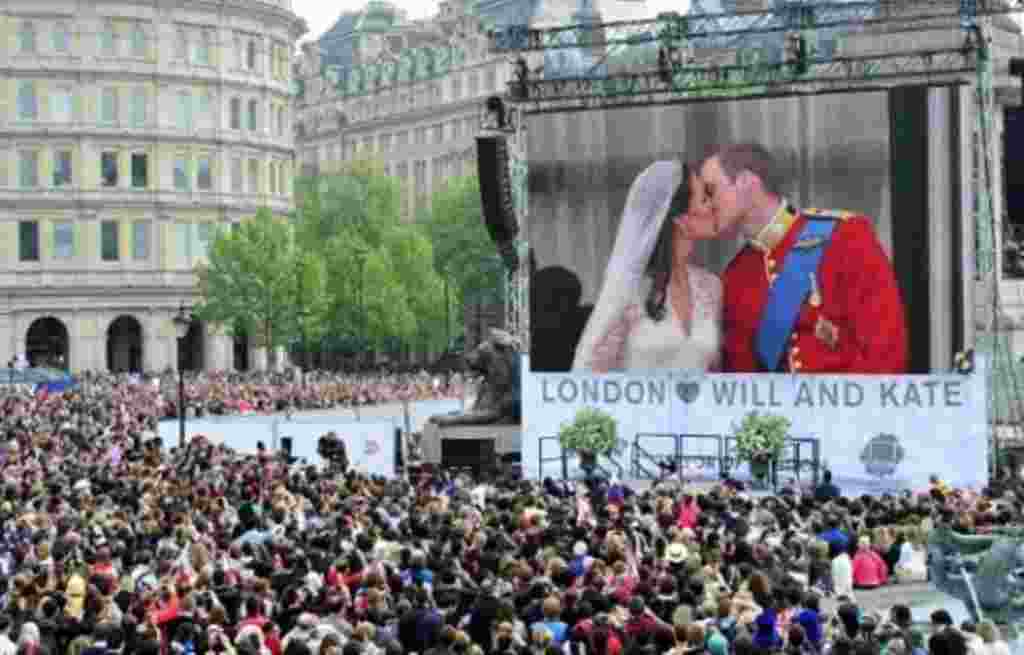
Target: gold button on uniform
(793, 337)
(795, 351)
(798, 365)
(770, 263)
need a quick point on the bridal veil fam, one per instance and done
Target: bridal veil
(647, 207)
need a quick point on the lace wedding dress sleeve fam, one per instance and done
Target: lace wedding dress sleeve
(647, 206)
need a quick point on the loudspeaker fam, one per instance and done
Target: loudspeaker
(286, 446)
(496, 195)
(475, 454)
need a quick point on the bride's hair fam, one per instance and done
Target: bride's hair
(660, 265)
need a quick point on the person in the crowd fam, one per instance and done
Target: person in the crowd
(826, 490)
(869, 569)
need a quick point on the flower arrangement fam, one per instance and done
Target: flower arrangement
(761, 437)
(592, 431)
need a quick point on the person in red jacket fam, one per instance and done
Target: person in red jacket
(869, 569)
(812, 291)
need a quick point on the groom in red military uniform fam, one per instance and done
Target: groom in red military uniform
(812, 291)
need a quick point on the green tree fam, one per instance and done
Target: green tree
(382, 290)
(312, 300)
(463, 249)
(249, 280)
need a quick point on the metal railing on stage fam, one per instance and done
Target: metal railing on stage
(606, 466)
(687, 458)
(797, 456)
(681, 461)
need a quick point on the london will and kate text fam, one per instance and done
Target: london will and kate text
(758, 393)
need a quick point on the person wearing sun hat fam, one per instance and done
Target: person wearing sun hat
(676, 554)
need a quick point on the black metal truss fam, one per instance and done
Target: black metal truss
(788, 16)
(737, 81)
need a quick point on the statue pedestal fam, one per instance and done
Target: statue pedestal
(471, 446)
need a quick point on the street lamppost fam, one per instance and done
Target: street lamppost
(182, 322)
(361, 258)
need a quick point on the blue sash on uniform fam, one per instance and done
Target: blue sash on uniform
(786, 296)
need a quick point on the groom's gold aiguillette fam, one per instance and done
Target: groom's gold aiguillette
(815, 298)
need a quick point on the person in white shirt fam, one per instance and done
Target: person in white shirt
(842, 571)
(7, 647)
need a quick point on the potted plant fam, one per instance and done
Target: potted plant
(592, 432)
(760, 439)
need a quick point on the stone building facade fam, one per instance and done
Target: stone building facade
(129, 134)
(411, 93)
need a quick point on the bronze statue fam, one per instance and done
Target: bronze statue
(499, 401)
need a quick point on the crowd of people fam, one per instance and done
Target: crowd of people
(113, 544)
(220, 394)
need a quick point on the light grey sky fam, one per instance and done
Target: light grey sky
(321, 15)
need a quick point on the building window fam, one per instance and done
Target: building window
(282, 127)
(27, 38)
(109, 241)
(185, 110)
(474, 84)
(236, 114)
(205, 102)
(456, 88)
(108, 39)
(491, 79)
(420, 177)
(183, 237)
(62, 175)
(28, 169)
(402, 140)
(61, 37)
(272, 178)
(61, 105)
(456, 129)
(140, 240)
(108, 106)
(421, 136)
(28, 106)
(201, 55)
(181, 44)
(204, 173)
(108, 169)
(204, 235)
(254, 176)
(250, 55)
(236, 175)
(140, 170)
(138, 40)
(137, 108)
(181, 173)
(28, 241)
(281, 186)
(438, 134)
(63, 240)
(253, 108)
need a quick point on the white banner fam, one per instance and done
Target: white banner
(938, 422)
(370, 445)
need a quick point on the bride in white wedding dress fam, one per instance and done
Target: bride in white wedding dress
(655, 310)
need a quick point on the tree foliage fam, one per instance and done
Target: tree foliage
(249, 281)
(348, 272)
(463, 249)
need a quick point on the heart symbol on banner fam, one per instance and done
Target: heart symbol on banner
(687, 391)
